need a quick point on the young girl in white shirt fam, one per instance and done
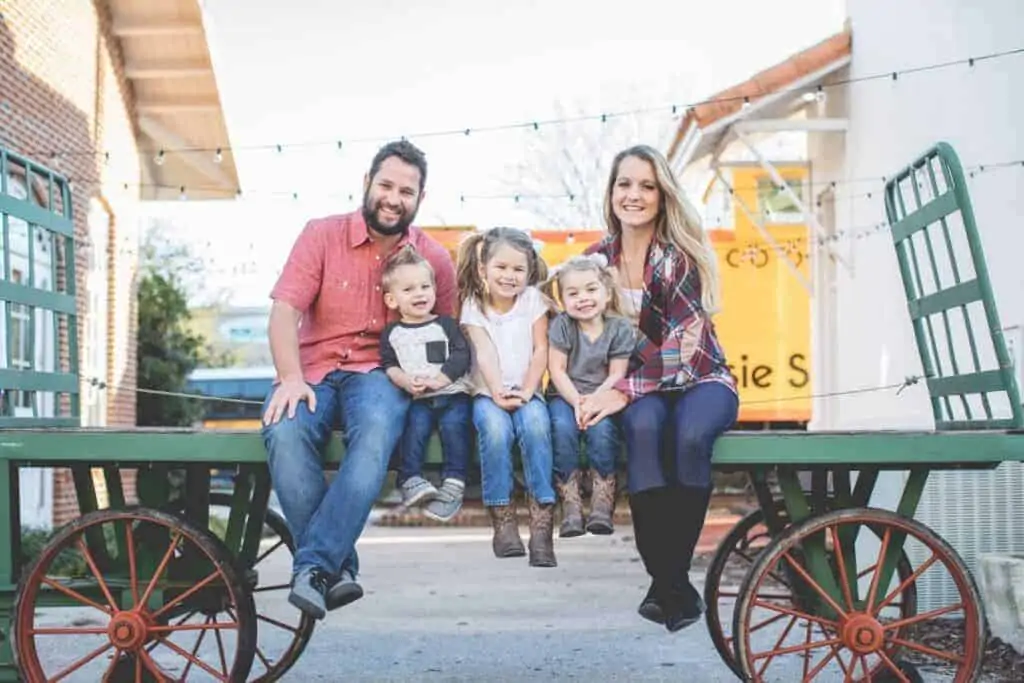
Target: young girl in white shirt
(505, 318)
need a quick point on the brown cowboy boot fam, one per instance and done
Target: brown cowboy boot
(572, 507)
(506, 541)
(602, 504)
(542, 550)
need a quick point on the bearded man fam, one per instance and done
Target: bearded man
(329, 374)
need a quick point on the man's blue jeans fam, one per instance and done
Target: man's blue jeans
(451, 413)
(326, 521)
(603, 440)
(529, 427)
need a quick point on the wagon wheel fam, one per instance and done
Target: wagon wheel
(846, 631)
(743, 544)
(126, 576)
(273, 658)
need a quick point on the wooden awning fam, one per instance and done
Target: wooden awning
(177, 103)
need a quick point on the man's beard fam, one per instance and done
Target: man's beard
(370, 216)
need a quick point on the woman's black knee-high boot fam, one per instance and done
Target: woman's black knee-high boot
(652, 526)
(683, 604)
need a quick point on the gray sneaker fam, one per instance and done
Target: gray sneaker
(309, 587)
(344, 591)
(448, 501)
(415, 490)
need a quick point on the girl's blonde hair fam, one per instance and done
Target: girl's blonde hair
(479, 247)
(678, 222)
(593, 263)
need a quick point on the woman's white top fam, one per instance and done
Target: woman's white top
(511, 333)
(631, 301)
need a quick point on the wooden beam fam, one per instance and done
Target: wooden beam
(175, 106)
(786, 125)
(164, 27)
(197, 161)
(141, 70)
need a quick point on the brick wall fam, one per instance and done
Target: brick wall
(62, 88)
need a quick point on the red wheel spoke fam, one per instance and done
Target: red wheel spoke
(770, 655)
(892, 667)
(133, 575)
(792, 612)
(807, 655)
(199, 641)
(918, 618)
(810, 675)
(112, 665)
(159, 570)
(220, 625)
(81, 662)
(814, 584)
(198, 662)
(68, 630)
(75, 595)
(186, 594)
(96, 572)
(800, 648)
(841, 563)
(924, 649)
(873, 590)
(144, 660)
(909, 580)
(770, 621)
(220, 649)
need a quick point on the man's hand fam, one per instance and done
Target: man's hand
(287, 396)
(436, 382)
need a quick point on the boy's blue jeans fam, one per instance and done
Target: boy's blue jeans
(451, 414)
(497, 430)
(602, 440)
(326, 521)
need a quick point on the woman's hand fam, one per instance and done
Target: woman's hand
(596, 407)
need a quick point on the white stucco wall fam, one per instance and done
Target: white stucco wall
(979, 110)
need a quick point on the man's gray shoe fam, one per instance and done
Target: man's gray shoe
(448, 501)
(308, 589)
(344, 591)
(415, 490)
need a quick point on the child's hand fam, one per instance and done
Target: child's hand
(579, 412)
(508, 400)
(415, 385)
(522, 394)
(438, 381)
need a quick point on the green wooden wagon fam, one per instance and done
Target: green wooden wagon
(167, 589)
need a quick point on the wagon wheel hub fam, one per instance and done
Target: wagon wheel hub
(128, 630)
(863, 634)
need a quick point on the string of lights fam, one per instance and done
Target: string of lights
(817, 92)
(519, 197)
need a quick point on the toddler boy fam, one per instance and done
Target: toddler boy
(427, 356)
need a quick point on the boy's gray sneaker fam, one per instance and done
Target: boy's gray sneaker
(343, 591)
(309, 587)
(448, 501)
(416, 489)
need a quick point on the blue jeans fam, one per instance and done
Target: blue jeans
(451, 414)
(326, 521)
(496, 429)
(676, 431)
(602, 441)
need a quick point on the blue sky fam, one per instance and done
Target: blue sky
(317, 71)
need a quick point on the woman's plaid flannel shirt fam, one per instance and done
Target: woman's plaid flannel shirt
(677, 347)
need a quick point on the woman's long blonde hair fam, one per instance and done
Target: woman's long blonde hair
(678, 222)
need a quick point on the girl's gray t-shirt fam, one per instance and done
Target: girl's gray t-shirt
(587, 364)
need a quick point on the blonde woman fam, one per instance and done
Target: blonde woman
(678, 395)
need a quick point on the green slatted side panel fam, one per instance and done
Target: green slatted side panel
(970, 375)
(38, 323)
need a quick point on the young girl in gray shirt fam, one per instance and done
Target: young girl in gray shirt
(589, 345)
